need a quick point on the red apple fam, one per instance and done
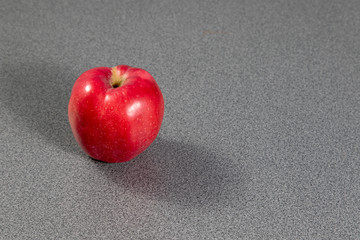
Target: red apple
(115, 113)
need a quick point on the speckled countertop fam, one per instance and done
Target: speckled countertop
(261, 133)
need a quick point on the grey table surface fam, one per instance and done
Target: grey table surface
(261, 132)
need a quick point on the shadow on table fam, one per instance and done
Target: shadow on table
(37, 95)
(181, 173)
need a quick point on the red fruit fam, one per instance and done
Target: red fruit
(115, 113)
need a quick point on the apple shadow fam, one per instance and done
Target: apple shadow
(181, 173)
(37, 95)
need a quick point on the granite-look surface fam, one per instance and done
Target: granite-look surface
(261, 133)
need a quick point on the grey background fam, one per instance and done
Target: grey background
(261, 133)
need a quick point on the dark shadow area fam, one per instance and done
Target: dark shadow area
(37, 94)
(181, 173)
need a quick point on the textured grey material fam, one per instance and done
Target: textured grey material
(261, 133)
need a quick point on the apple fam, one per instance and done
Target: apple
(115, 113)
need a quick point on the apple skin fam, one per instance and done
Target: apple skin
(115, 113)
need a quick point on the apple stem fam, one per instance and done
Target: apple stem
(116, 79)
